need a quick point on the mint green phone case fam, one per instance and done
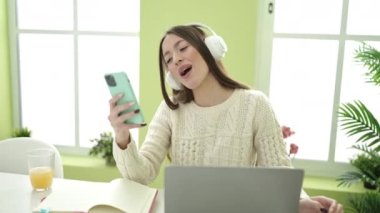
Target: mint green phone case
(118, 82)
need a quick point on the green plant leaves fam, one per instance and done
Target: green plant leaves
(365, 203)
(370, 58)
(349, 178)
(22, 132)
(103, 147)
(356, 119)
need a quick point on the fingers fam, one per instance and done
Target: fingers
(330, 205)
(307, 205)
(320, 204)
(325, 201)
(335, 207)
(118, 118)
(339, 208)
(125, 116)
(116, 115)
(113, 100)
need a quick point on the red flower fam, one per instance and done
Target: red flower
(293, 149)
(286, 131)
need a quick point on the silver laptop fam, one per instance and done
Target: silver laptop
(232, 189)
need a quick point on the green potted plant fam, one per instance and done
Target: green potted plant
(22, 132)
(103, 147)
(367, 165)
(366, 203)
(357, 120)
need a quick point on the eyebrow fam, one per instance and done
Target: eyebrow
(175, 46)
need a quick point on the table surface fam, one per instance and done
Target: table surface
(17, 194)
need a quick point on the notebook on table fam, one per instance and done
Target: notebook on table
(117, 196)
(232, 189)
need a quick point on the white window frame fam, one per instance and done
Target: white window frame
(265, 35)
(15, 71)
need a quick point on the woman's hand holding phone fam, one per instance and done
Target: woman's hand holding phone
(117, 120)
(125, 112)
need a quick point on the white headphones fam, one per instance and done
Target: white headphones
(174, 84)
(216, 45)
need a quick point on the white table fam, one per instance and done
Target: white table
(17, 195)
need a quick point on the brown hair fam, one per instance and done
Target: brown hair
(195, 36)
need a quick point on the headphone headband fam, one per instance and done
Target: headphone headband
(197, 24)
(214, 42)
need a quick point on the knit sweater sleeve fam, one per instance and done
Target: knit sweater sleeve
(268, 139)
(143, 165)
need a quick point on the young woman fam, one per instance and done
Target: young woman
(210, 119)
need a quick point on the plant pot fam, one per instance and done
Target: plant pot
(369, 185)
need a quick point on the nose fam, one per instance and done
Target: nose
(177, 59)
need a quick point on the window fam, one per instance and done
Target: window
(305, 64)
(61, 51)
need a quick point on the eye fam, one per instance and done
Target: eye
(183, 48)
(168, 60)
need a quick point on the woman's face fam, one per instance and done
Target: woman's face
(184, 61)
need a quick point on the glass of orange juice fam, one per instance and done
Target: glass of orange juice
(41, 166)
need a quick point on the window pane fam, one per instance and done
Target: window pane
(99, 55)
(109, 15)
(300, 16)
(45, 14)
(47, 86)
(363, 17)
(301, 91)
(355, 87)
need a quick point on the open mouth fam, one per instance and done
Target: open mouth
(185, 71)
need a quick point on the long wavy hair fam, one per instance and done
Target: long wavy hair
(195, 36)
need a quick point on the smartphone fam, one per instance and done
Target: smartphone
(118, 82)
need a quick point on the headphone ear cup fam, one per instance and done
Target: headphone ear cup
(217, 46)
(174, 84)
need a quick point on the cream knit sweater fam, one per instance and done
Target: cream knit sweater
(241, 131)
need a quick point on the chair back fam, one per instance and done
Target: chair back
(13, 155)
